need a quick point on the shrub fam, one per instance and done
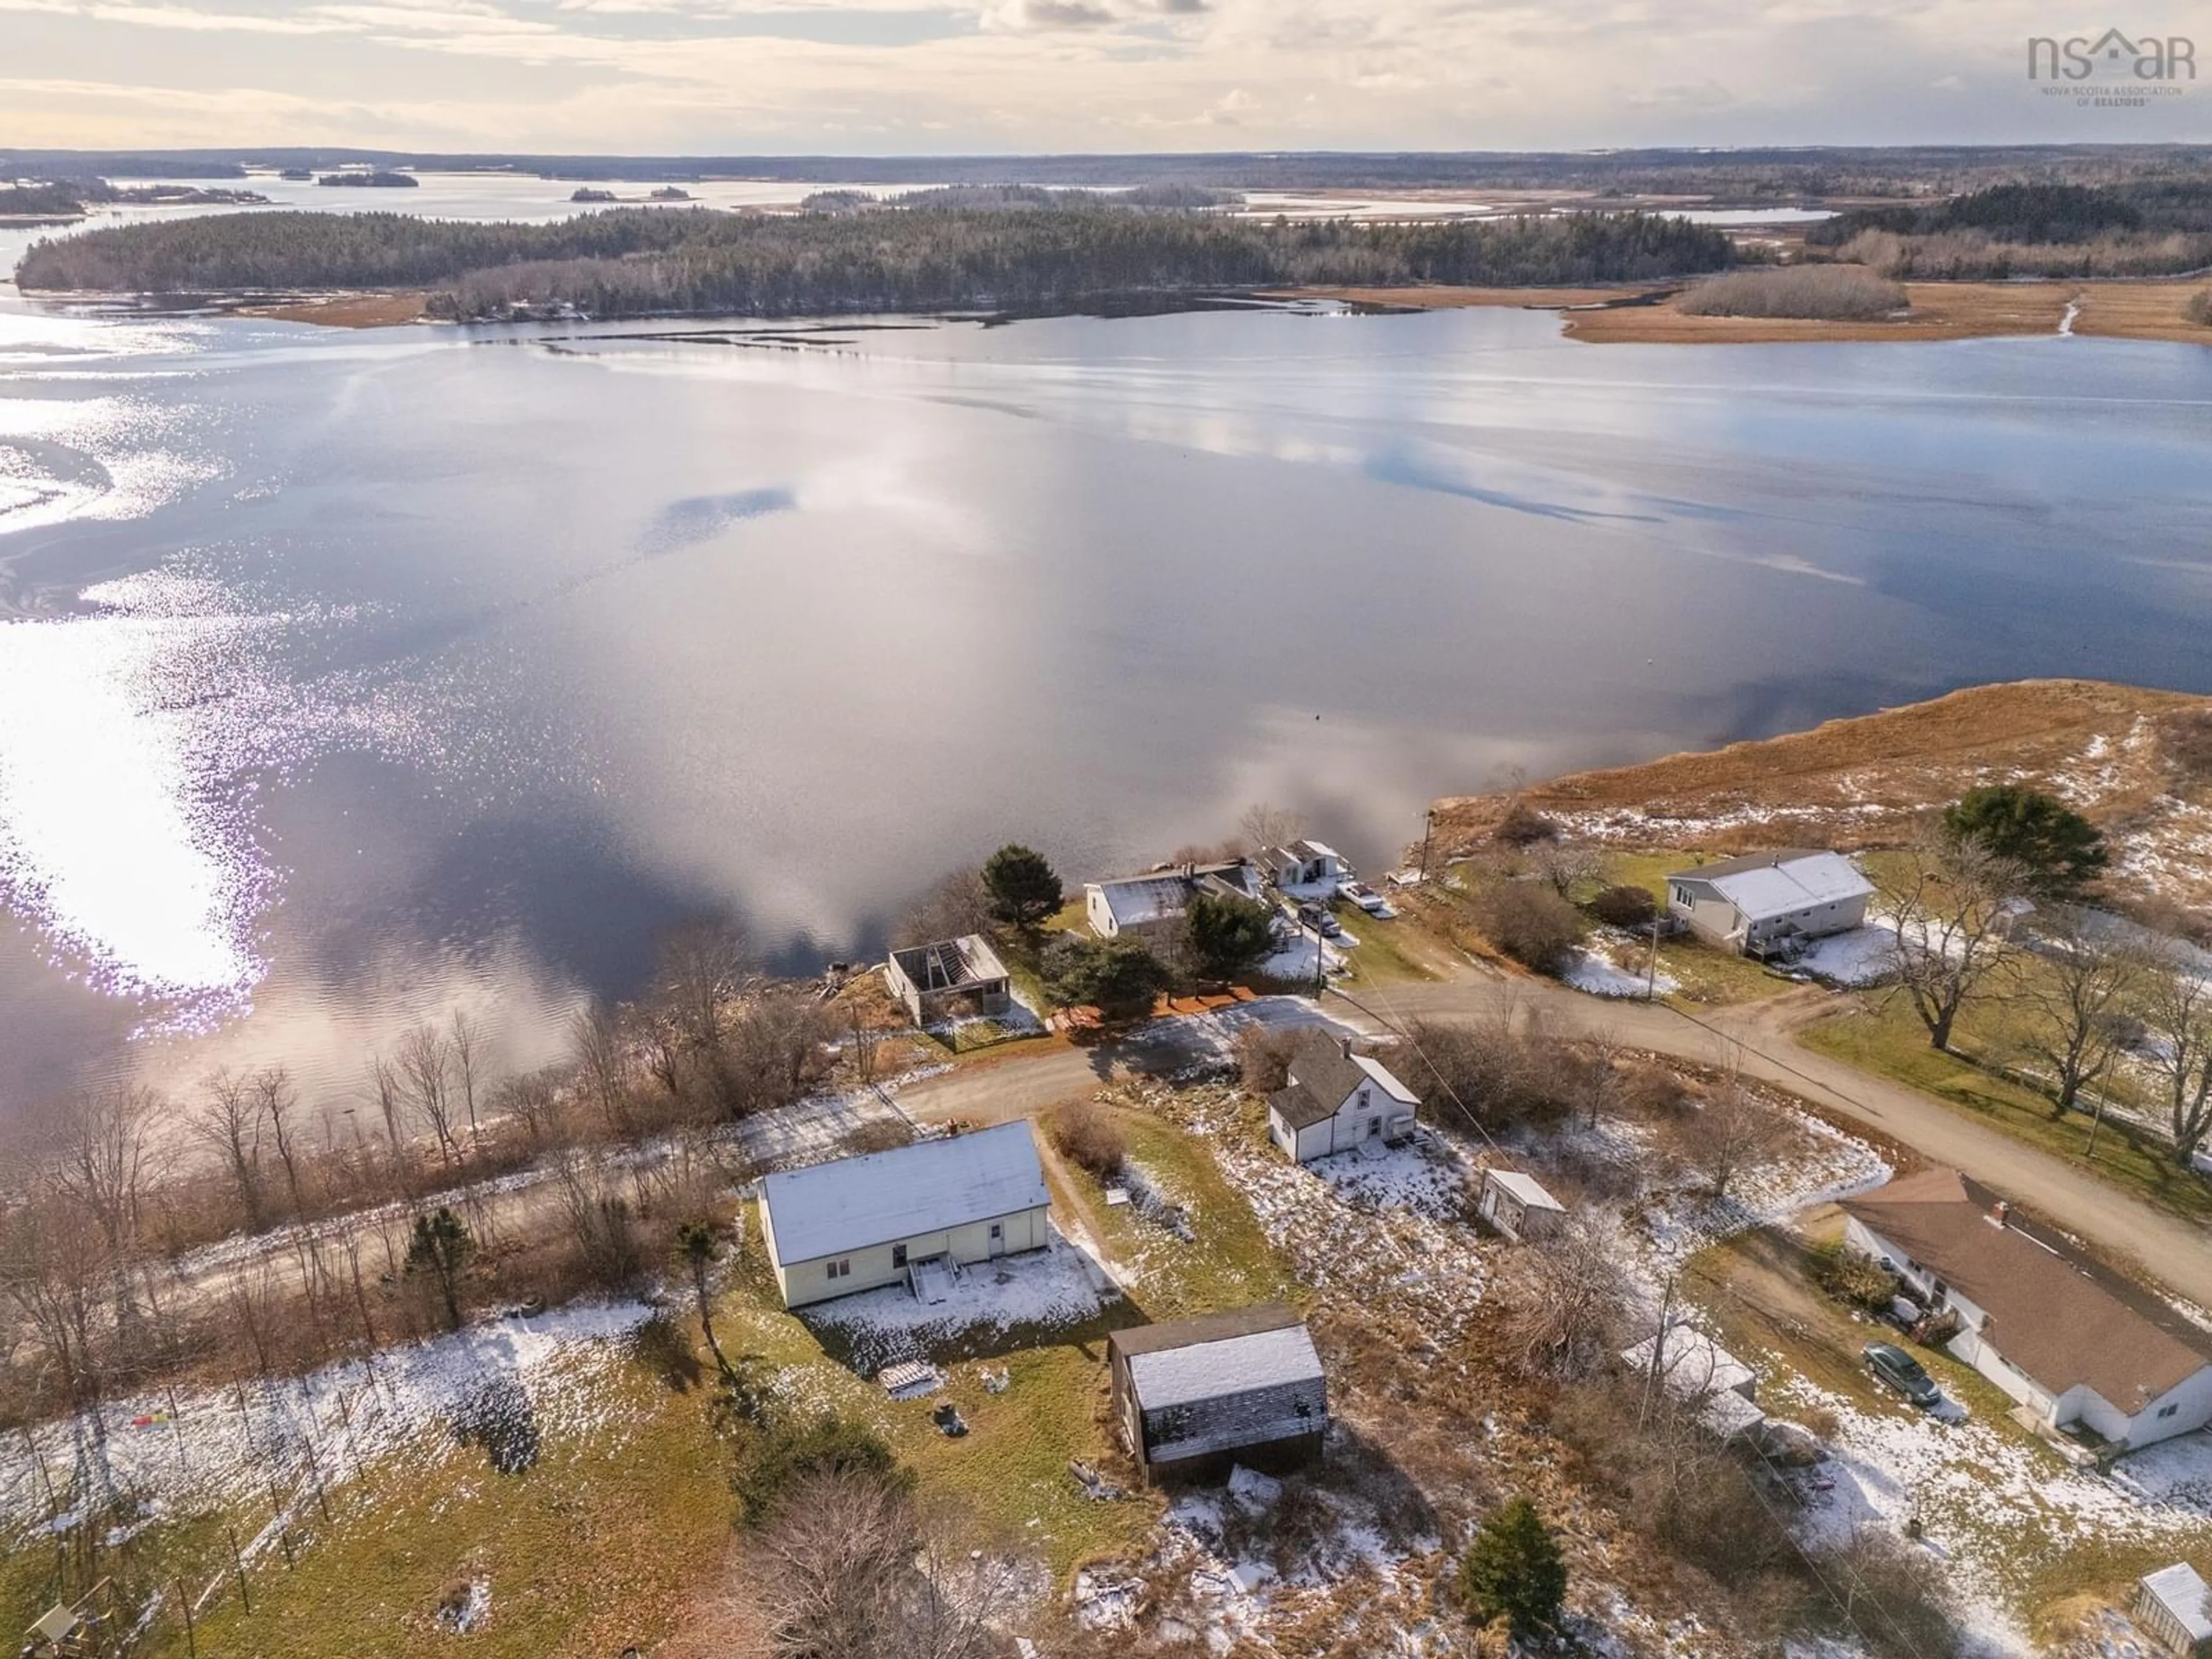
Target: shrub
(1851, 1276)
(1498, 1075)
(2200, 307)
(1894, 1596)
(1831, 293)
(1514, 1571)
(1121, 977)
(775, 1456)
(1624, 906)
(1530, 923)
(1084, 1135)
(2186, 739)
(1523, 826)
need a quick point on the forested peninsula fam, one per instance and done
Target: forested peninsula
(640, 262)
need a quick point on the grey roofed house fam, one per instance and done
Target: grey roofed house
(862, 1221)
(1764, 900)
(1335, 1099)
(1159, 898)
(1195, 1396)
(954, 975)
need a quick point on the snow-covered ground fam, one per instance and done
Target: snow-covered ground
(1062, 1285)
(1599, 973)
(510, 1381)
(1863, 955)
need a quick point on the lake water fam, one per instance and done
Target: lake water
(347, 677)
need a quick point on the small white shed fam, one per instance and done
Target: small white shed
(1518, 1205)
(2173, 1607)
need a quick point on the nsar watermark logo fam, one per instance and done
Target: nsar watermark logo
(2112, 71)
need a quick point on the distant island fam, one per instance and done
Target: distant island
(588, 194)
(945, 253)
(66, 201)
(371, 179)
(671, 193)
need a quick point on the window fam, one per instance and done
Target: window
(842, 1269)
(998, 1231)
(898, 1255)
(2168, 1411)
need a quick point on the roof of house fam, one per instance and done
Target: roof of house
(949, 965)
(1163, 895)
(2061, 1320)
(1526, 1189)
(926, 1187)
(1762, 885)
(1183, 1361)
(1301, 850)
(2182, 1592)
(1324, 1074)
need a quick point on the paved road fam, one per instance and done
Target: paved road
(1757, 1039)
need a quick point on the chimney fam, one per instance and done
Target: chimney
(1999, 1211)
(1348, 1048)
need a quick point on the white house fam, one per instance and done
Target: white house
(2072, 1341)
(904, 1216)
(1763, 902)
(1518, 1205)
(1305, 868)
(1155, 901)
(1337, 1100)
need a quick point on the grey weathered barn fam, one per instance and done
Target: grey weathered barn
(1194, 1396)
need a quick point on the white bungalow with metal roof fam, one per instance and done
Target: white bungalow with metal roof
(1763, 902)
(1155, 903)
(905, 1216)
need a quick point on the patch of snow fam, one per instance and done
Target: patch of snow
(1864, 955)
(1062, 1285)
(1596, 973)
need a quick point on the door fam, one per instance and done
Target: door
(998, 1238)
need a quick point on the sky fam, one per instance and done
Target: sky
(969, 76)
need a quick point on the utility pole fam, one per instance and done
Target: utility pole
(2096, 1123)
(1428, 833)
(1651, 973)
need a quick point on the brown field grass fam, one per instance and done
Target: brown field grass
(346, 310)
(2144, 310)
(2113, 751)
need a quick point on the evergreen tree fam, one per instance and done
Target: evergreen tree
(2058, 851)
(441, 1247)
(1514, 1570)
(1024, 889)
(1121, 977)
(1227, 935)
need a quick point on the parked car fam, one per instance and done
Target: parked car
(1319, 921)
(1901, 1371)
(1361, 895)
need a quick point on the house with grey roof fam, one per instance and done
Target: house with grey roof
(2072, 1341)
(1765, 903)
(915, 1215)
(949, 978)
(1337, 1100)
(1154, 904)
(1194, 1396)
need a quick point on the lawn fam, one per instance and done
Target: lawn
(596, 1545)
(1883, 1036)
(1388, 953)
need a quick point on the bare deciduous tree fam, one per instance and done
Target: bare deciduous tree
(1730, 1133)
(229, 1119)
(1951, 906)
(1264, 825)
(2176, 1012)
(849, 1570)
(425, 1071)
(532, 1097)
(464, 1041)
(278, 1102)
(1569, 1301)
(1563, 865)
(596, 1038)
(2075, 991)
(957, 903)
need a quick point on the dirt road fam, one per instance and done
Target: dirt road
(1757, 1038)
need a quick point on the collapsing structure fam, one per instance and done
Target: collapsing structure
(949, 978)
